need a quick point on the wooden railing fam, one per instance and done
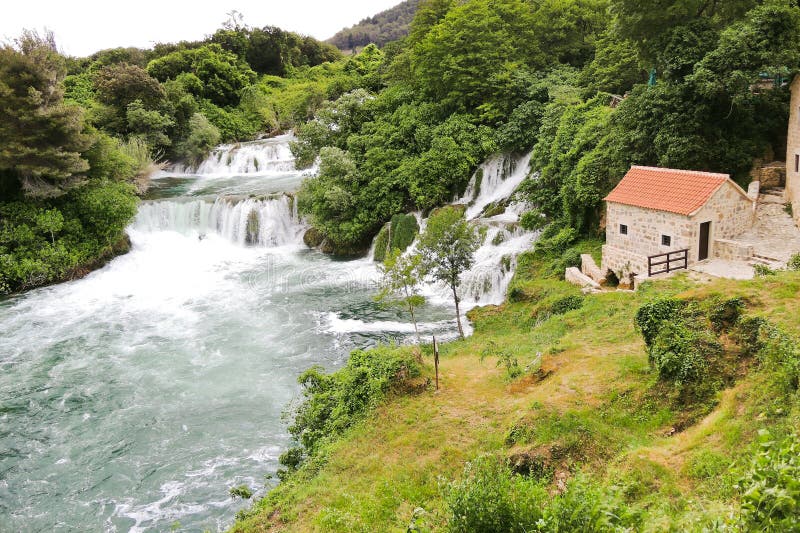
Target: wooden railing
(666, 263)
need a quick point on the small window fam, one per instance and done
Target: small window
(666, 240)
(797, 163)
(623, 229)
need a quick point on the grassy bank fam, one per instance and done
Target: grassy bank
(585, 421)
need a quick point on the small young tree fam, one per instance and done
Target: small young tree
(448, 250)
(401, 276)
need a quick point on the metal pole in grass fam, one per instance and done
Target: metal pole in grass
(436, 360)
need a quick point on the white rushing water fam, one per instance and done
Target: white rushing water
(136, 397)
(267, 156)
(260, 222)
(494, 181)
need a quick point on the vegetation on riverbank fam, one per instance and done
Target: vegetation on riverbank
(482, 76)
(79, 137)
(597, 432)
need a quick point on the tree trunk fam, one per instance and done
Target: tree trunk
(458, 313)
(416, 329)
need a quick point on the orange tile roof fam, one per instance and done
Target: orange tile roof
(665, 189)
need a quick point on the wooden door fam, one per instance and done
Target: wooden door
(705, 235)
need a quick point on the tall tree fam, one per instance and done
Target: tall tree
(448, 246)
(41, 137)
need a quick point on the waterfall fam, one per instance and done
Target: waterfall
(252, 221)
(502, 238)
(263, 157)
(494, 181)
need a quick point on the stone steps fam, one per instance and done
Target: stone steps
(772, 196)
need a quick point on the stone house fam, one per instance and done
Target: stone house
(792, 193)
(656, 211)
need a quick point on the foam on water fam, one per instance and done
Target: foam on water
(267, 156)
(495, 180)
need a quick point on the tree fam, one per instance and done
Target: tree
(120, 84)
(41, 137)
(401, 276)
(203, 136)
(448, 246)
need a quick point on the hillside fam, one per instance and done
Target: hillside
(598, 440)
(385, 27)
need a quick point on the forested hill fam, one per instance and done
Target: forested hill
(385, 27)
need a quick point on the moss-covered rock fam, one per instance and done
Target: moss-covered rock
(395, 235)
(253, 227)
(382, 243)
(313, 238)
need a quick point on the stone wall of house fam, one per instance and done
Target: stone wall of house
(793, 152)
(623, 262)
(729, 210)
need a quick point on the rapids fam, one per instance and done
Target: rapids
(133, 399)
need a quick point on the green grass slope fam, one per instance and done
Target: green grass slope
(586, 409)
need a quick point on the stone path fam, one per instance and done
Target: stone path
(721, 268)
(774, 235)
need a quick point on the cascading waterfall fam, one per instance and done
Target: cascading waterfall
(257, 222)
(502, 239)
(267, 156)
(493, 182)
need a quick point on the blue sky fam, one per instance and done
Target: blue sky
(83, 27)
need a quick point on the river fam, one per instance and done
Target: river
(133, 399)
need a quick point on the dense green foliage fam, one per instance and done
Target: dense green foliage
(479, 76)
(770, 488)
(334, 402)
(65, 189)
(489, 498)
(398, 234)
(381, 29)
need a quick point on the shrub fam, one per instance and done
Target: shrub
(780, 354)
(489, 498)
(794, 263)
(762, 271)
(334, 402)
(242, 491)
(770, 489)
(566, 304)
(680, 353)
(724, 315)
(748, 334)
(651, 316)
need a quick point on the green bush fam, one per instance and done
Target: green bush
(762, 271)
(726, 314)
(748, 334)
(395, 235)
(334, 402)
(770, 489)
(780, 354)
(404, 230)
(489, 498)
(651, 316)
(681, 353)
(794, 263)
(566, 304)
(242, 491)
